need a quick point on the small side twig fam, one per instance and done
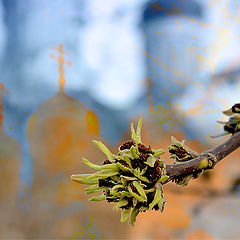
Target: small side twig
(206, 160)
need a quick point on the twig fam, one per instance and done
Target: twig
(206, 160)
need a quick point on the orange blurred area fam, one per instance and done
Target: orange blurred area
(59, 137)
(199, 234)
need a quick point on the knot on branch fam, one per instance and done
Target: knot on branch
(211, 159)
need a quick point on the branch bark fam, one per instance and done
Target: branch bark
(210, 158)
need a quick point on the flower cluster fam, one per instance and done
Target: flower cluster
(132, 179)
(181, 153)
(231, 126)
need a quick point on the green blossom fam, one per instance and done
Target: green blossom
(132, 179)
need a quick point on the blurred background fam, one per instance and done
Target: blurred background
(77, 70)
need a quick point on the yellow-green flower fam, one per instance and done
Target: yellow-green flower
(132, 179)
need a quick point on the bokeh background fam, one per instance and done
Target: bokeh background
(77, 70)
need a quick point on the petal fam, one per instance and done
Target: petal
(163, 179)
(83, 179)
(159, 152)
(141, 191)
(151, 160)
(94, 189)
(134, 136)
(97, 198)
(91, 165)
(139, 198)
(139, 127)
(133, 216)
(228, 112)
(106, 173)
(124, 215)
(134, 151)
(112, 166)
(157, 198)
(121, 203)
(104, 149)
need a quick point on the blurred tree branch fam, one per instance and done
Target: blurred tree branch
(206, 160)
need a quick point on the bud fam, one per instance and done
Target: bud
(232, 126)
(181, 153)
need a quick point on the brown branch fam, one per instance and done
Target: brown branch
(212, 156)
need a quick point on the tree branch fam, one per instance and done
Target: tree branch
(206, 160)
